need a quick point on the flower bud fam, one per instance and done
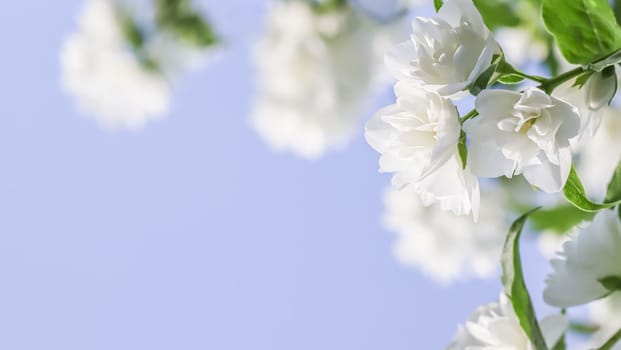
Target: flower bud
(601, 88)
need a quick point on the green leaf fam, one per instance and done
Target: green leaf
(582, 79)
(612, 341)
(132, 31)
(575, 194)
(515, 287)
(585, 30)
(328, 6)
(183, 20)
(583, 328)
(510, 79)
(483, 81)
(497, 13)
(559, 219)
(462, 149)
(561, 344)
(612, 283)
(438, 4)
(613, 193)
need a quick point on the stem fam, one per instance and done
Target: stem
(550, 84)
(612, 341)
(536, 78)
(473, 113)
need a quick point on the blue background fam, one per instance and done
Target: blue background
(192, 234)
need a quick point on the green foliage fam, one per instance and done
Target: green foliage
(180, 18)
(612, 283)
(613, 193)
(582, 79)
(559, 219)
(583, 328)
(515, 287)
(462, 149)
(609, 345)
(497, 13)
(327, 6)
(585, 30)
(132, 31)
(510, 79)
(575, 194)
(561, 344)
(483, 81)
(437, 4)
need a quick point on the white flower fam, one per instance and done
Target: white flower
(446, 247)
(589, 256)
(313, 74)
(496, 327)
(417, 138)
(106, 78)
(445, 53)
(525, 134)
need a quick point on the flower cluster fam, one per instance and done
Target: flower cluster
(546, 130)
(115, 73)
(314, 70)
(512, 133)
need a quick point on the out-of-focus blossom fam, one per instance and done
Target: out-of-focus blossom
(105, 76)
(117, 72)
(315, 70)
(585, 260)
(445, 53)
(417, 138)
(522, 133)
(495, 326)
(520, 46)
(446, 247)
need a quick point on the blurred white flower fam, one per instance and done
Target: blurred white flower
(520, 46)
(589, 256)
(522, 133)
(445, 53)
(606, 314)
(417, 138)
(446, 247)
(314, 71)
(496, 327)
(105, 76)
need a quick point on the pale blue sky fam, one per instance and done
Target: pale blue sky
(192, 234)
